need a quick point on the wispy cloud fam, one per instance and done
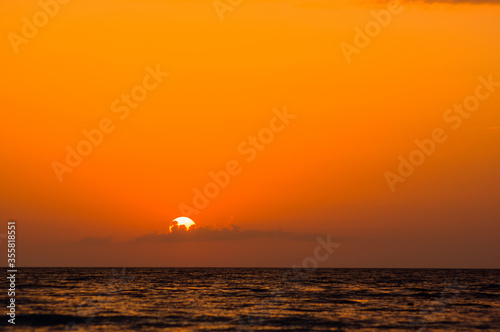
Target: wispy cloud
(232, 232)
(457, 2)
(89, 240)
(338, 3)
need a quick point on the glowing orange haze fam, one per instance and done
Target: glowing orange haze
(321, 170)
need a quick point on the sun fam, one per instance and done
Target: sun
(181, 221)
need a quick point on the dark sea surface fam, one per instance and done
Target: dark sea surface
(253, 299)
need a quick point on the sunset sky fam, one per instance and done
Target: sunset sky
(331, 126)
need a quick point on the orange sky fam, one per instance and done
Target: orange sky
(322, 173)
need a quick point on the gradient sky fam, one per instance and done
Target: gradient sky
(323, 174)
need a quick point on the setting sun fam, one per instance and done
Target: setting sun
(341, 159)
(181, 221)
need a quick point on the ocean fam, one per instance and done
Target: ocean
(256, 299)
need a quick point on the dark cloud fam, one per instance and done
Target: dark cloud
(232, 232)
